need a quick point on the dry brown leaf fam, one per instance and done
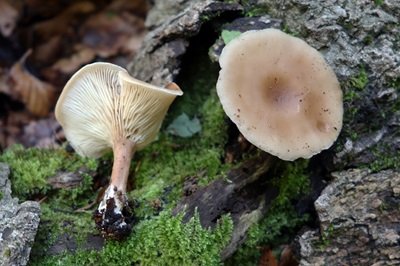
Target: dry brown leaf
(267, 258)
(70, 65)
(62, 23)
(47, 52)
(4, 86)
(287, 257)
(138, 7)
(86, 207)
(3, 135)
(65, 180)
(107, 33)
(38, 96)
(42, 133)
(11, 127)
(8, 18)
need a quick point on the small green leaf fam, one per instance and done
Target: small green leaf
(184, 127)
(229, 35)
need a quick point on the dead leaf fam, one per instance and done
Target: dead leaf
(8, 18)
(62, 24)
(69, 65)
(4, 86)
(43, 133)
(11, 127)
(287, 257)
(267, 258)
(38, 96)
(47, 52)
(137, 7)
(42, 199)
(65, 180)
(86, 207)
(3, 136)
(107, 33)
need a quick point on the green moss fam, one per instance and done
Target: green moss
(254, 10)
(57, 220)
(326, 237)
(354, 92)
(360, 80)
(290, 31)
(1, 195)
(281, 219)
(31, 167)
(7, 252)
(384, 158)
(395, 83)
(292, 181)
(368, 39)
(378, 2)
(163, 240)
(363, 117)
(355, 86)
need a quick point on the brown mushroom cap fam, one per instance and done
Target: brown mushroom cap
(280, 93)
(102, 104)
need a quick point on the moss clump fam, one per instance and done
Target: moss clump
(57, 220)
(163, 240)
(326, 237)
(281, 219)
(31, 167)
(1, 195)
(355, 85)
(353, 97)
(385, 158)
(361, 80)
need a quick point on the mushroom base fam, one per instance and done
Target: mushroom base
(114, 217)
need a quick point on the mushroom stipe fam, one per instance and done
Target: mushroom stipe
(103, 108)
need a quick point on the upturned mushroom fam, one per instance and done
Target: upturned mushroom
(280, 93)
(103, 108)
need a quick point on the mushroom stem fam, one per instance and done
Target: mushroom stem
(123, 153)
(113, 215)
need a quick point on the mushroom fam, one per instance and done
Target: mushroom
(280, 93)
(102, 108)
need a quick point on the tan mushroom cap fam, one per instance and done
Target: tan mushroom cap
(102, 104)
(281, 94)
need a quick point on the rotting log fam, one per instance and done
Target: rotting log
(244, 194)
